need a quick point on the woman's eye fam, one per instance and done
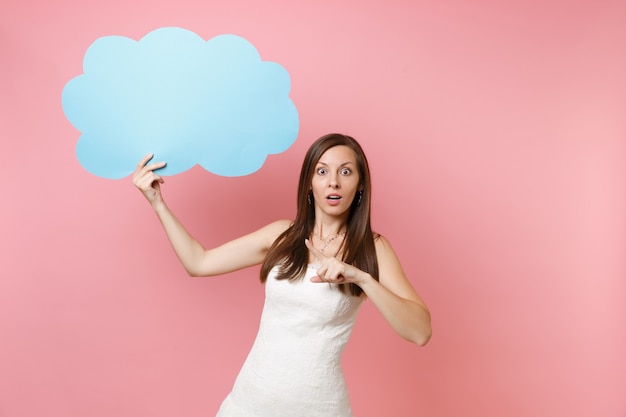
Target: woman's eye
(345, 171)
(321, 171)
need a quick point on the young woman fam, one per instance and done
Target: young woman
(317, 269)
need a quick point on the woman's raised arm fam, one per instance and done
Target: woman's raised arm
(239, 253)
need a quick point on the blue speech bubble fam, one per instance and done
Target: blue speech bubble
(189, 101)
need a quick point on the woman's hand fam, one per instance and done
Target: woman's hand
(148, 182)
(334, 271)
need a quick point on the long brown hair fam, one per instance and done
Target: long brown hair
(288, 250)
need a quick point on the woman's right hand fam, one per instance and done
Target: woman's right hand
(148, 182)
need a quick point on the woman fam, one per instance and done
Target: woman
(293, 368)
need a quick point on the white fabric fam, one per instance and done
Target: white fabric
(294, 366)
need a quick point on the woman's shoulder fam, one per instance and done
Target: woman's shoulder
(265, 236)
(382, 244)
(387, 258)
(282, 224)
(270, 231)
(378, 238)
(277, 227)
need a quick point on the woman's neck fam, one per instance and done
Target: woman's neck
(326, 226)
(328, 230)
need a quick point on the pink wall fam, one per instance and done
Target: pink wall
(497, 138)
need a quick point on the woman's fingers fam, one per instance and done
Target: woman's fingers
(149, 179)
(144, 161)
(334, 272)
(146, 180)
(314, 251)
(330, 269)
(144, 170)
(155, 166)
(143, 165)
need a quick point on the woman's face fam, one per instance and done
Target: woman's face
(335, 180)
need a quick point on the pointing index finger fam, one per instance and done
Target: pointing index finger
(319, 255)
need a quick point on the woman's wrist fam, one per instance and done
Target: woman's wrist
(362, 279)
(158, 205)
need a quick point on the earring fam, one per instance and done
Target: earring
(309, 197)
(358, 202)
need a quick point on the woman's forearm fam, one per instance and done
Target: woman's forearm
(189, 251)
(408, 318)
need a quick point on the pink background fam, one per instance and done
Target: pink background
(497, 138)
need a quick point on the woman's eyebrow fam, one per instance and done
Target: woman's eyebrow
(342, 164)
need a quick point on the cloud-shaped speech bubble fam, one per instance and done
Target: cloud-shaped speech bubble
(189, 101)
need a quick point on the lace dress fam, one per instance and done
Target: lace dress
(294, 366)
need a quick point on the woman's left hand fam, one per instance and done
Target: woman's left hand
(332, 270)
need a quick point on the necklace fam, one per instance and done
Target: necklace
(326, 242)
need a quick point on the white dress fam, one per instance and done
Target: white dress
(294, 366)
